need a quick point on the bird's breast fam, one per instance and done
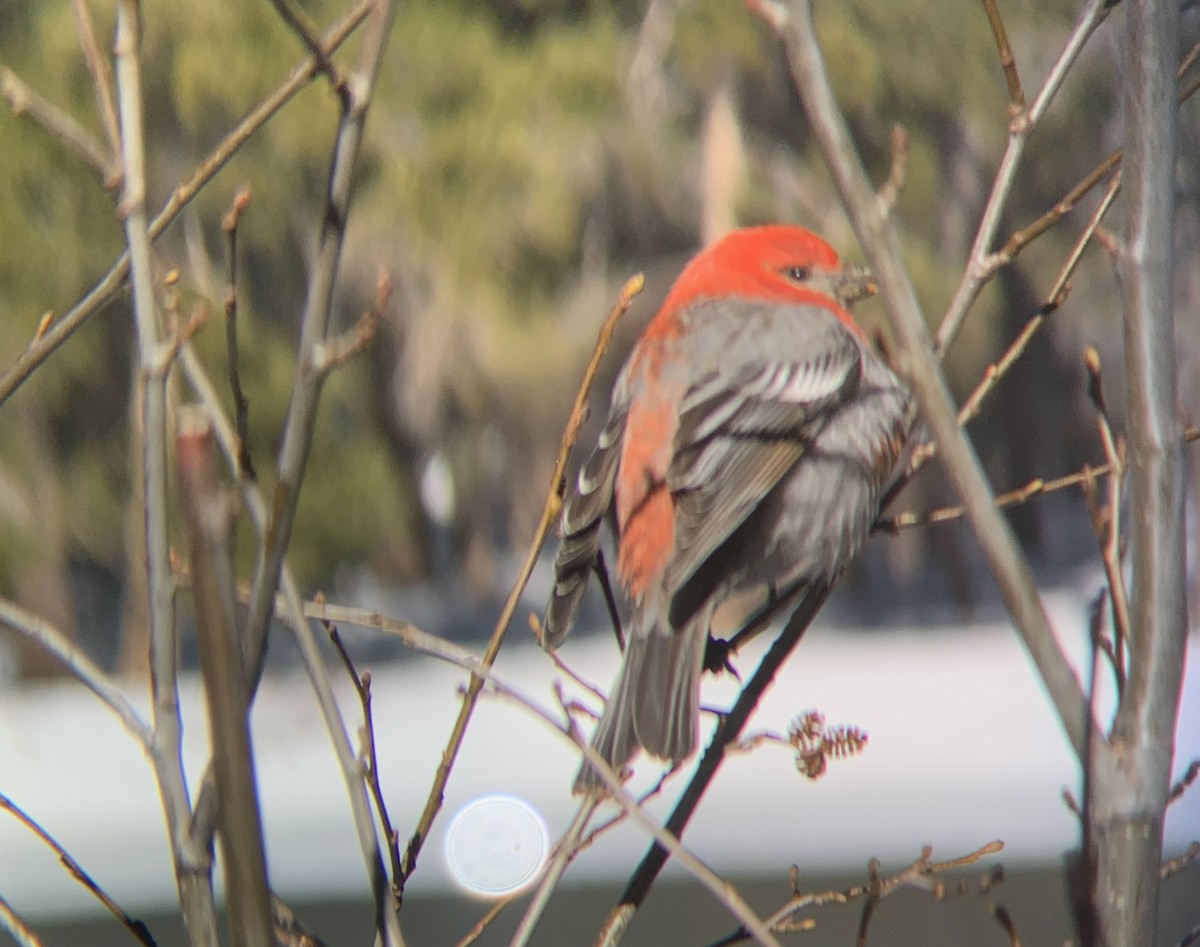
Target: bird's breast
(645, 508)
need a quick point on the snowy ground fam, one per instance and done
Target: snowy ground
(963, 749)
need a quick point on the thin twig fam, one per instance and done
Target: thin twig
(982, 264)
(102, 85)
(557, 864)
(131, 924)
(79, 665)
(484, 922)
(550, 511)
(110, 284)
(1096, 624)
(1172, 865)
(1108, 526)
(1019, 239)
(241, 406)
(1034, 488)
(724, 737)
(723, 891)
(535, 626)
(335, 352)
(1182, 784)
(362, 687)
(416, 639)
(918, 361)
(208, 513)
(1016, 95)
(1004, 919)
(1054, 299)
(300, 422)
(997, 370)
(25, 103)
(300, 25)
(296, 442)
(12, 922)
(876, 888)
(898, 171)
(290, 609)
(617, 818)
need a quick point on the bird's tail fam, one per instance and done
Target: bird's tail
(655, 703)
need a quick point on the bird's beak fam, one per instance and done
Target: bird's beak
(853, 283)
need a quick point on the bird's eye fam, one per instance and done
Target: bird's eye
(800, 274)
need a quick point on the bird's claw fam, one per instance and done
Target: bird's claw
(717, 654)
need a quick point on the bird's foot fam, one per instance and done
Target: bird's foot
(717, 654)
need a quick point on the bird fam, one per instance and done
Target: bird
(751, 436)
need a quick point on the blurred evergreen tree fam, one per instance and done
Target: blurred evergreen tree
(523, 158)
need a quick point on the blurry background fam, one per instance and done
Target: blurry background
(523, 158)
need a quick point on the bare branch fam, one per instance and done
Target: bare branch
(1128, 788)
(241, 406)
(191, 865)
(299, 24)
(982, 265)
(1020, 239)
(492, 913)
(1184, 782)
(12, 922)
(418, 640)
(997, 370)
(79, 665)
(335, 352)
(102, 83)
(209, 518)
(1034, 488)
(290, 608)
(1016, 95)
(897, 173)
(134, 926)
(722, 890)
(550, 510)
(724, 738)
(1172, 865)
(564, 852)
(307, 384)
(112, 281)
(919, 365)
(362, 686)
(919, 874)
(1108, 526)
(26, 103)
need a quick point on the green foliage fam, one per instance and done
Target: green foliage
(500, 144)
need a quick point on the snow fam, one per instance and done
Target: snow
(964, 748)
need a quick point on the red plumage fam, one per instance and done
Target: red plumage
(751, 435)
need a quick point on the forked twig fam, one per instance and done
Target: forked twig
(110, 284)
(921, 874)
